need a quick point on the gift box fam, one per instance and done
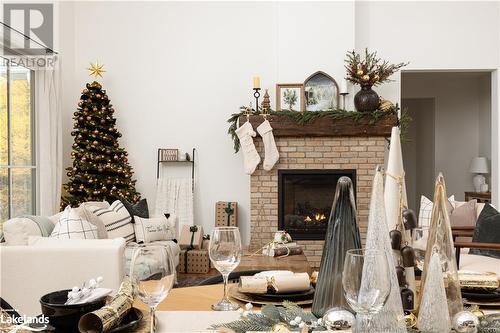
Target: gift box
(226, 214)
(191, 237)
(194, 261)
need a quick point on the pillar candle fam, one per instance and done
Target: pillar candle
(256, 82)
(343, 86)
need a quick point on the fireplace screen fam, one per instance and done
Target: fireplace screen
(305, 199)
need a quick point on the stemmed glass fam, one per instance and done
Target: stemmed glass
(420, 236)
(366, 282)
(225, 254)
(152, 271)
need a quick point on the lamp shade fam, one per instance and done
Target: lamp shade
(479, 165)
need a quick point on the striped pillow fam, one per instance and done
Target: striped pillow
(72, 226)
(116, 219)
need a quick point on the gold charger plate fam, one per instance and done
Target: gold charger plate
(234, 293)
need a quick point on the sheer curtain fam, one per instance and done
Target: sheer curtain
(48, 119)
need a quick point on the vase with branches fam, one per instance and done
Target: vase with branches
(367, 72)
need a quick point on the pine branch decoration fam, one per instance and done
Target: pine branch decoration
(307, 117)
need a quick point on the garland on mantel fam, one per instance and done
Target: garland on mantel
(306, 117)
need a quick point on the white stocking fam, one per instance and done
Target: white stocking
(250, 156)
(272, 155)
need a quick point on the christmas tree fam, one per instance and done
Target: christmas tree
(100, 167)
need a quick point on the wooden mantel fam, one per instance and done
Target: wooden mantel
(326, 126)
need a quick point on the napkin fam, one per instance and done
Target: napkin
(280, 281)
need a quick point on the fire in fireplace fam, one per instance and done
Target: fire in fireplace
(305, 199)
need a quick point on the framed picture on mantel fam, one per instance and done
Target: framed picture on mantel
(290, 97)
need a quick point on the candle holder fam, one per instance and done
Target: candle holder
(256, 94)
(344, 94)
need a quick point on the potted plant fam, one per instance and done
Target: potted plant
(368, 72)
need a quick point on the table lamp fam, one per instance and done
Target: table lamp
(479, 165)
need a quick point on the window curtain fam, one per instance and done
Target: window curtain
(48, 122)
(49, 138)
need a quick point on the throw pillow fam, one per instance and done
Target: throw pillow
(116, 219)
(72, 226)
(139, 209)
(17, 230)
(464, 213)
(487, 231)
(154, 229)
(84, 212)
(425, 212)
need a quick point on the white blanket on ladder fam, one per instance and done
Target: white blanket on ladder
(175, 196)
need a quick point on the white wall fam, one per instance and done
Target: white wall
(177, 70)
(459, 112)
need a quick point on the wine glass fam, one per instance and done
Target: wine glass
(225, 254)
(366, 282)
(420, 236)
(152, 271)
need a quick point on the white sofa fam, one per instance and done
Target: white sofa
(32, 265)
(29, 271)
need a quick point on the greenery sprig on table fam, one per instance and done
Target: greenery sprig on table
(306, 117)
(270, 316)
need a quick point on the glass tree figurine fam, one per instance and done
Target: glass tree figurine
(441, 241)
(342, 234)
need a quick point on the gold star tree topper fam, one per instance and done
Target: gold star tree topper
(96, 69)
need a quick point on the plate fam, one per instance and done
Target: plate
(288, 296)
(129, 322)
(248, 298)
(485, 295)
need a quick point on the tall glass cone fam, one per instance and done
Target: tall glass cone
(441, 241)
(391, 317)
(342, 235)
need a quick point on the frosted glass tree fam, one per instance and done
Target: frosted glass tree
(391, 317)
(441, 240)
(433, 316)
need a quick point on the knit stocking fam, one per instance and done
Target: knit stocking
(272, 155)
(250, 156)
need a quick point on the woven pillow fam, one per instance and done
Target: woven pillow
(154, 229)
(72, 226)
(425, 212)
(116, 219)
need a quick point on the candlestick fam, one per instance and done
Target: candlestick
(256, 94)
(256, 82)
(343, 94)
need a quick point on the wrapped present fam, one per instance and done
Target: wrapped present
(226, 214)
(191, 237)
(194, 261)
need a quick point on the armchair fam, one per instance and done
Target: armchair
(472, 261)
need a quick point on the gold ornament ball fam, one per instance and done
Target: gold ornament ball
(359, 72)
(365, 77)
(89, 118)
(411, 320)
(376, 77)
(280, 327)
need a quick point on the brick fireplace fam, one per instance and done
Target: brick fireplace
(360, 150)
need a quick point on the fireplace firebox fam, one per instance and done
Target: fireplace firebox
(305, 200)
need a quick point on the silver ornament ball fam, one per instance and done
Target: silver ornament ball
(465, 322)
(338, 319)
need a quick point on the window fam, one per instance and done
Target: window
(17, 153)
